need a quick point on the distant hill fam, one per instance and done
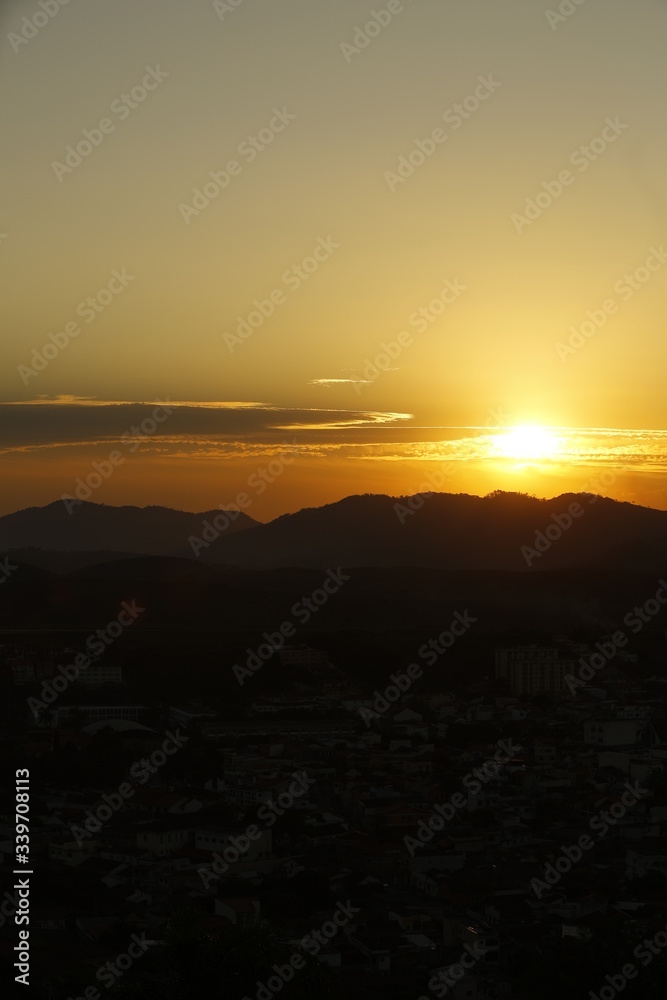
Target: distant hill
(102, 530)
(503, 532)
(457, 532)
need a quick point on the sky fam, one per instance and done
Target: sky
(350, 248)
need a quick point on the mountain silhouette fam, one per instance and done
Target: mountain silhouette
(506, 532)
(500, 532)
(99, 528)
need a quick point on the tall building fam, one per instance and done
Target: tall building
(533, 669)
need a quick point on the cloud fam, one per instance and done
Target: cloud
(327, 383)
(229, 429)
(67, 400)
(338, 381)
(78, 422)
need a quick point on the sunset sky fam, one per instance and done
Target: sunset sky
(372, 202)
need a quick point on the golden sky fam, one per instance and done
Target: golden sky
(387, 240)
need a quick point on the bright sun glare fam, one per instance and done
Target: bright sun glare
(527, 442)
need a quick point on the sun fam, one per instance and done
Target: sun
(529, 442)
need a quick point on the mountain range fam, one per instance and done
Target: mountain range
(506, 532)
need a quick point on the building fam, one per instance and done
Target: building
(649, 856)
(302, 656)
(613, 732)
(531, 670)
(64, 714)
(235, 842)
(99, 674)
(23, 672)
(634, 712)
(187, 714)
